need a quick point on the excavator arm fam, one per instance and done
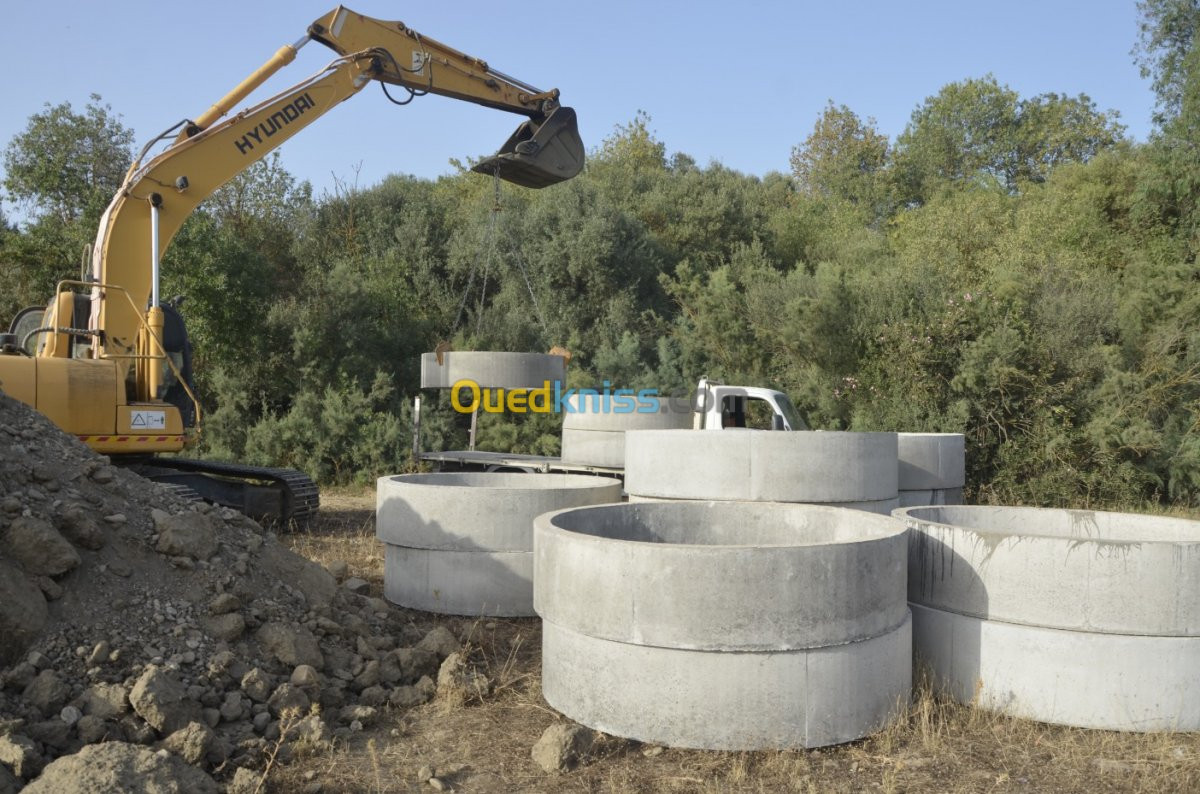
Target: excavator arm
(158, 196)
(420, 63)
(543, 151)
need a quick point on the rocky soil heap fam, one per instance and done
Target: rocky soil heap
(132, 618)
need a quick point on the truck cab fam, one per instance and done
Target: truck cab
(720, 407)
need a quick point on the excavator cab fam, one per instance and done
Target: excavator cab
(24, 326)
(541, 154)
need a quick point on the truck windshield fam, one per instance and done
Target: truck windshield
(790, 413)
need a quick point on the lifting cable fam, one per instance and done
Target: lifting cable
(521, 265)
(529, 286)
(491, 245)
(489, 248)
(483, 291)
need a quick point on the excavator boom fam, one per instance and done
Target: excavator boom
(102, 363)
(158, 196)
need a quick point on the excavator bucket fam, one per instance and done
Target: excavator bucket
(539, 155)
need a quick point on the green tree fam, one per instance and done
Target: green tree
(629, 161)
(1166, 51)
(67, 165)
(844, 158)
(1055, 129)
(1169, 192)
(959, 135)
(980, 132)
(64, 168)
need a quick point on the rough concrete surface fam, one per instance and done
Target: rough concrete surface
(593, 448)
(462, 543)
(1068, 616)
(594, 412)
(723, 625)
(478, 511)
(492, 369)
(930, 496)
(883, 507)
(721, 575)
(1086, 679)
(492, 583)
(931, 461)
(594, 435)
(1079, 570)
(727, 700)
(755, 465)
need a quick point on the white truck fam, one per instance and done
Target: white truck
(714, 406)
(717, 406)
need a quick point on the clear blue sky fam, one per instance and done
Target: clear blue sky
(739, 83)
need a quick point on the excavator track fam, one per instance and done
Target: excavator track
(285, 497)
(182, 491)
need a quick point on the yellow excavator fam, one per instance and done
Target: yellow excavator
(108, 361)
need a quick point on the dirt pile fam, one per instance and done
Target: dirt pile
(130, 615)
(117, 766)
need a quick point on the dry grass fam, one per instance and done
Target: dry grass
(288, 721)
(344, 530)
(936, 746)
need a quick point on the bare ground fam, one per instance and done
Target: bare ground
(939, 746)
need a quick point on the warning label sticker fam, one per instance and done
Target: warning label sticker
(149, 420)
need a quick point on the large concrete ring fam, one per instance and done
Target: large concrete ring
(717, 700)
(758, 465)
(597, 412)
(722, 625)
(476, 511)
(593, 432)
(593, 447)
(931, 496)
(461, 543)
(750, 576)
(1085, 679)
(473, 583)
(497, 370)
(931, 461)
(883, 507)
(1078, 570)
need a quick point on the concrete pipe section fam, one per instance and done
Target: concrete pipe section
(593, 448)
(1076, 617)
(462, 543)
(824, 467)
(883, 507)
(497, 370)
(931, 496)
(933, 468)
(724, 626)
(594, 426)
